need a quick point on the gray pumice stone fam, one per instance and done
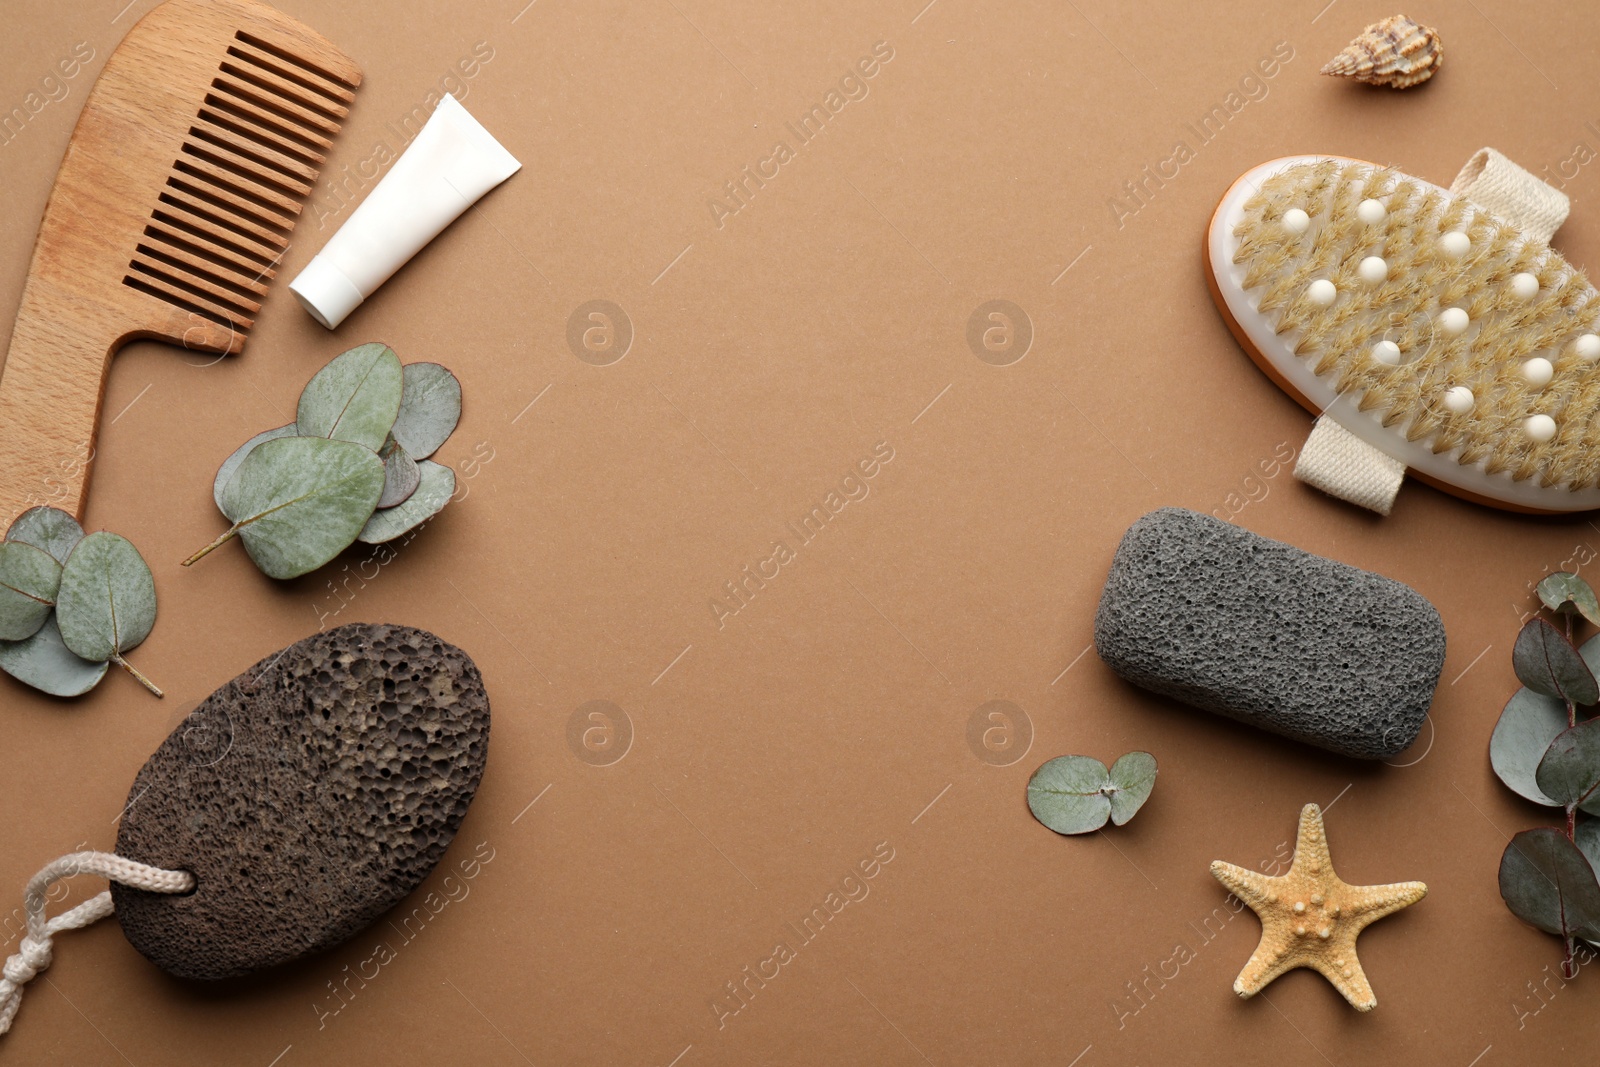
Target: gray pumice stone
(307, 797)
(1260, 631)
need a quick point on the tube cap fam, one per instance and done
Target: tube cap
(325, 292)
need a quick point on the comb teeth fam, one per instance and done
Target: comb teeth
(234, 192)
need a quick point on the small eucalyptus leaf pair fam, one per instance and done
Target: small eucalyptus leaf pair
(70, 604)
(352, 466)
(1077, 794)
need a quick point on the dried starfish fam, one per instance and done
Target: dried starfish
(1310, 917)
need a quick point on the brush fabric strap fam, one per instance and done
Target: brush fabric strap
(1342, 464)
(1498, 185)
(34, 953)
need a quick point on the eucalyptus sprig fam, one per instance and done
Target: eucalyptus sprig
(353, 466)
(70, 604)
(1546, 748)
(1077, 794)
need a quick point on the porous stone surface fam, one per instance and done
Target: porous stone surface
(307, 797)
(1218, 617)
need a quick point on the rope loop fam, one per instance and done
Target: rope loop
(35, 952)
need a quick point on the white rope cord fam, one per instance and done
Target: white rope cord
(34, 953)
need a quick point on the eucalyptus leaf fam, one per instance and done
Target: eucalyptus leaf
(430, 409)
(1590, 651)
(1569, 772)
(438, 485)
(1132, 778)
(1545, 880)
(1587, 838)
(107, 603)
(355, 398)
(230, 466)
(1546, 662)
(299, 501)
(1070, 794)
(45, 662)
(1567, 593)
(29, 579)
(51, 529)
(1528, 724)
(400, 475)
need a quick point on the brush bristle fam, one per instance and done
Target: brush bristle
(1506, 328)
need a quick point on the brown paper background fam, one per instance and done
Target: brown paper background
(770, 756)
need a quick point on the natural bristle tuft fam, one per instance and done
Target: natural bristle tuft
(1446, 324)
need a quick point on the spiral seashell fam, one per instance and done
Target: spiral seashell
(1398, 52)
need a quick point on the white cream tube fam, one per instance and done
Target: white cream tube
(452, 162)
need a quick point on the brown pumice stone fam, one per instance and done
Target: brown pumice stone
(307, 797)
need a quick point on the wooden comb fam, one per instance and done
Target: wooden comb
(181, 184)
